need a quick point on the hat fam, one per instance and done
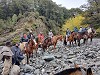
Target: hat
(50, 30)
(40, 32)
(30, 31)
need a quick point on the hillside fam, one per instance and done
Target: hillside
(19, 16)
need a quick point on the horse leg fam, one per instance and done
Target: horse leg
(91, 39)
(70, 43)
(78, 42)
(84, 41)
(75, 40)
(54, 46)
(65, 43)
(36, 52)
(27, 58)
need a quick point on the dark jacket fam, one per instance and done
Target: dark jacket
(31, 36)
(24, 39)
(18, 55)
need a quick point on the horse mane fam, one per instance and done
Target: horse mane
(30, 41)
(68, 71)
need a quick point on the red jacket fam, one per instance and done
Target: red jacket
(41, 36)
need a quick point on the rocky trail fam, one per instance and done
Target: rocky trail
(54, 61)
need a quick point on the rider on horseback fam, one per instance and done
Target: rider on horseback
(41, 37)
(68, 32)
(50, 34)
(24, 38)
(82, 30)
(75, 29)
(30, 35)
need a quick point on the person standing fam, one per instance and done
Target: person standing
(18, 55)
(7, 58)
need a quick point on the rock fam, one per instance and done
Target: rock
(48, 71)
(37, 71)
(27, 74)
(58, 56)
(48, 58)
(27, 68)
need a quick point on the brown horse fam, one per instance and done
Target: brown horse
(39, 42)
(30, 46)
(47, 42)
(51, 41)
(76, 71)
(70, 39)
(55, 40)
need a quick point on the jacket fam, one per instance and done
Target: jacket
(18, 55)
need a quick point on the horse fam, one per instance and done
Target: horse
(29, 47)
(83, 35)
(55, 40)
(76, 71)
(91, 34)
(70, 39)
(47, 42)
(51, 41)
(39, 42)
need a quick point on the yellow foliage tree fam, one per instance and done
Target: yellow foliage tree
(73, 22)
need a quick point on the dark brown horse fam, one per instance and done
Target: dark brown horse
(30, 46)
(47, 42)
(83, 35)
(76, 71)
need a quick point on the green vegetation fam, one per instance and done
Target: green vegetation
(11, 11)
(44, 15)
(73, 22)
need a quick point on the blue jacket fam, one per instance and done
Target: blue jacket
(18, 55)
(68, 32)
(75, 29)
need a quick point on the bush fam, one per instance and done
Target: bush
(14, 19)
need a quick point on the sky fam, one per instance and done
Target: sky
(70, 3)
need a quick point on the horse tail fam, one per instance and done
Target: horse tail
(89, 71)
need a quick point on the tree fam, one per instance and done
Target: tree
(92, 14)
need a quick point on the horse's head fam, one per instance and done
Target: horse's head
(31, 42)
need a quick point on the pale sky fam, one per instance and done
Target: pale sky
(70, 3)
